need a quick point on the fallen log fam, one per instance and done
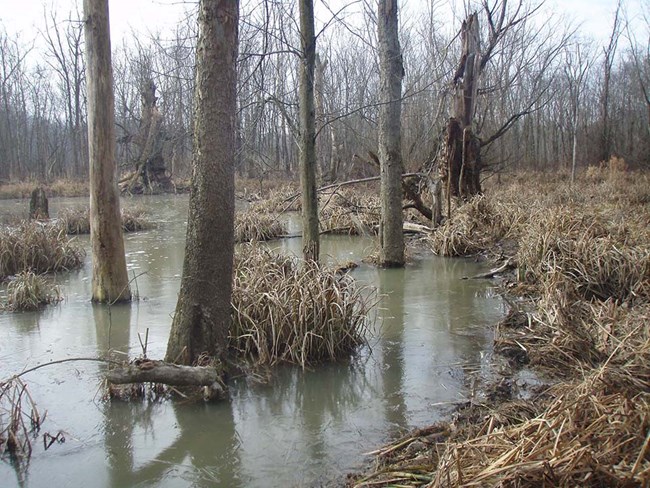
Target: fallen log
(148, 371)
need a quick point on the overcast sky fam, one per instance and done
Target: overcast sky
(26, 16)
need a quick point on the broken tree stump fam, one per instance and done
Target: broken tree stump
(38, 205)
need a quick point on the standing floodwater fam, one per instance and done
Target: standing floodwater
(302, 428)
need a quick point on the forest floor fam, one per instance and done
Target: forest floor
(579, 297)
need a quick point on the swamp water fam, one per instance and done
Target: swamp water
(304, 428)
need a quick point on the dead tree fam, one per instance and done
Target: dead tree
(150, 174)
(463, 146)
(38, 205)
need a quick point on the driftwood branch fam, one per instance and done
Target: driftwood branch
(491, 274)
(147, 371)
(350, 182)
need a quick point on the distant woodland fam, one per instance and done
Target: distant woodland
(545, 92)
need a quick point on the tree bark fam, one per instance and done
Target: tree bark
(310, 230)
(391, 72)
(202, 317)
(110, 280)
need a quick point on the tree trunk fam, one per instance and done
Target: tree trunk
(110, 279)
(202, 317)
(310, 230)
(391, 72)
(463, 146)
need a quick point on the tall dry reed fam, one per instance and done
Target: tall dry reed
(285, 310)
(37, 247)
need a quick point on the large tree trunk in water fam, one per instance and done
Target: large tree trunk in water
(110, 280)
(463, 146)
(391, 72)
(310, 230)
(202, 317)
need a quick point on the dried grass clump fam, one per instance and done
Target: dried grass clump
(289, 311)
(251, 225)
(347, 212)
(76, 221)
(279, 200)
(135, 219)
(69, 188)
(475, 226)
(28, 291)
(591, 257)
(39, 248)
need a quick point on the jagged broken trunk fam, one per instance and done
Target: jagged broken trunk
(463, 147)
(150, 174)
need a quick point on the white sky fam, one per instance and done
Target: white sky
(25, 17)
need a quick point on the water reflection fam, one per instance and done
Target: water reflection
(202, 451)
(391, 288)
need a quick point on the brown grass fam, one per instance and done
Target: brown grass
(583, 253)
(76, 221)
(252, 225)
(289, 311)
(41, 248)
(344, 211)
(28, 291)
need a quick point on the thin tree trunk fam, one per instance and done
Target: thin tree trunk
(110, 280)
(310, 231)
(391, 72)
(202, 317)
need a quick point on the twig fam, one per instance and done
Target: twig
(58, 361)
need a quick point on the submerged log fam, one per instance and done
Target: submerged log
(147, 371)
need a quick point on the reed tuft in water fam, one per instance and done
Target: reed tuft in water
(251, 225)
(76, 221)
(285, 310)
(28, 291)
(37, 247)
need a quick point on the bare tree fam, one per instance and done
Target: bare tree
(202, 317)
(391, 72)
(609, 55)
(577, 65)
(65, 56)
(310, 230)
(110, 279)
